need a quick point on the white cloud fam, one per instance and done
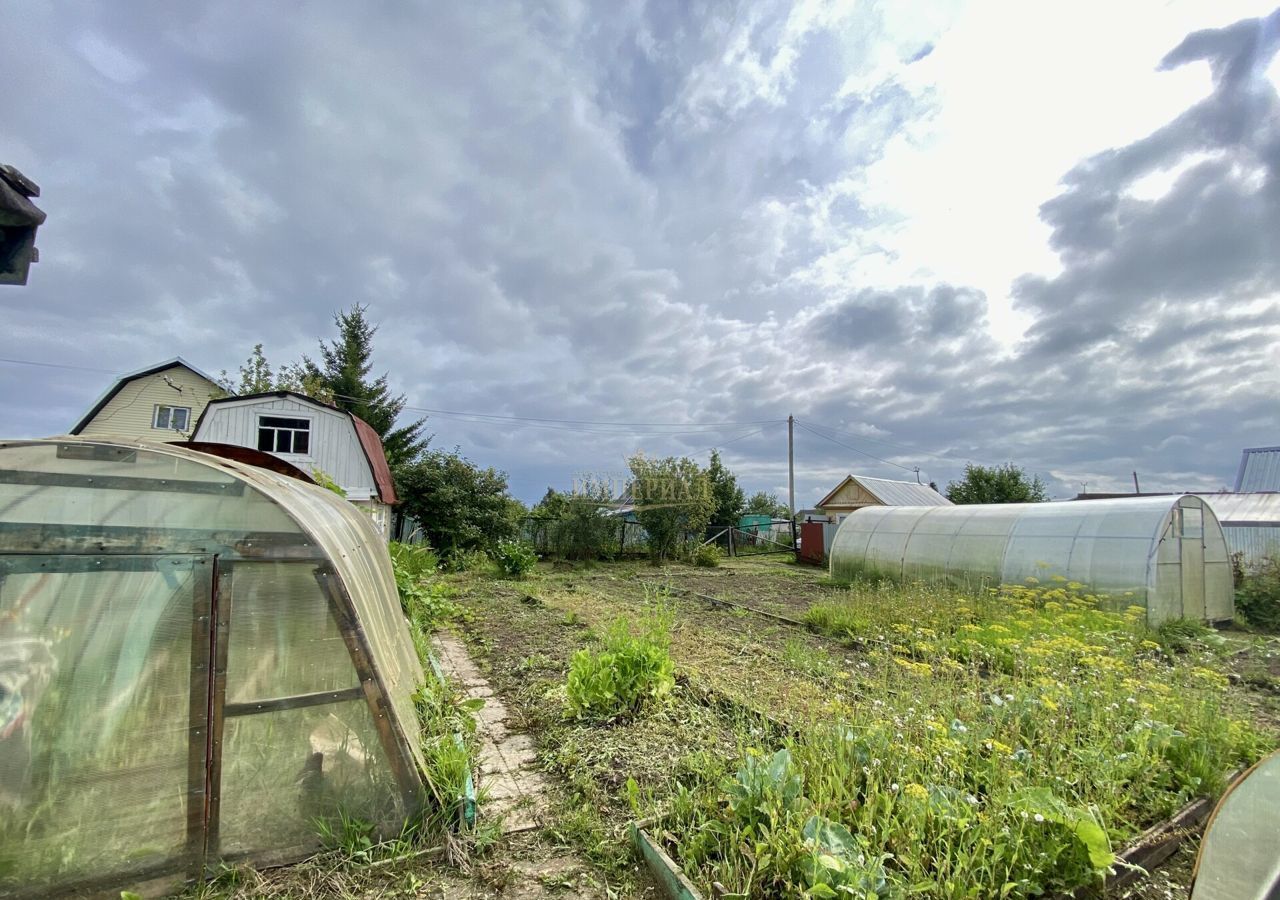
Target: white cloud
(631, 212)
(109, 60)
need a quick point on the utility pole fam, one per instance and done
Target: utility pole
(791, 480)
(791, 465)
(917, 471)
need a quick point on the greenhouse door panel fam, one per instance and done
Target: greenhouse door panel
(103, 717)
(1192, 563)
(294, 740)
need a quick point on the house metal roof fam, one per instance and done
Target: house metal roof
(1259, 470)
(893, 493)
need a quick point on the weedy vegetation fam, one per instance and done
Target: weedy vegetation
(515, 559)
(631, 670)
(1258, 597)
(916, 740)
(1016, 738)
(629, 673)
(706, 556)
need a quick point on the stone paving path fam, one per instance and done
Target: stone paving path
(511, 785)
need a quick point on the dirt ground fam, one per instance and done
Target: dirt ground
(731, 664)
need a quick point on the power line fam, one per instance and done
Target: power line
(576, 426)
(888, 462)
(741, 437)
(912, 450)
(27, 362)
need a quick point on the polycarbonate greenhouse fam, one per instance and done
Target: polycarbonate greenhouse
(1163, 553)
(198, 658)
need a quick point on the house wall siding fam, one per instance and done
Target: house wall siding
(334, 447)
(131, 412)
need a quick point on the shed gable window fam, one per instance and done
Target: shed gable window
(171, 417)
(280, 435)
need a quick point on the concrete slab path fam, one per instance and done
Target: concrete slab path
(509, 782)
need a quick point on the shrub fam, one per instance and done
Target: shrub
(574, 526)
(465, 561)
(1182, 635)
(1258, 599)
(706, 556)
(629, 672)
(425, 603)
(516, 559)
(415, 560)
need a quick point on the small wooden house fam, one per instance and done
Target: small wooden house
(858, 491)
(314, 437)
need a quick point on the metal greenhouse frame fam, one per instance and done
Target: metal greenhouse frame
(198, 658)
(1164, 553)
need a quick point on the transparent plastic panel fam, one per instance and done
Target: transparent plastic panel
(283, 638)
(95, 699)
(358, 553)
(977, 552)
(93, 485)
(888, 543)
(1240, 854)
(1121, 568)
(1036, 556)
(283, 772)
(929, 545)
(1219, 587)
(849, 545)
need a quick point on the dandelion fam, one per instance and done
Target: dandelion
(1038, 817)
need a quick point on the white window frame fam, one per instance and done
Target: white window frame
(168, 412)
(276, 429)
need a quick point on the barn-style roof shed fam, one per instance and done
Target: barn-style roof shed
(1167, 554)
(198, 657)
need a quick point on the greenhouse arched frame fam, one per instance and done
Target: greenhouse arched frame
(1166, 554)
(199, 659)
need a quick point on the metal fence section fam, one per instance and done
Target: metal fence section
(756, 540)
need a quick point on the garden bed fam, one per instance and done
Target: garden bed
(921, 741)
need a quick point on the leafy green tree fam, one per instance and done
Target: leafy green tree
(996, 484)
(725, 493)
(672, 498)
(344, 371)
(575, 524)
(256, 376)
(551, 506)
(765, 504)
(459, 505)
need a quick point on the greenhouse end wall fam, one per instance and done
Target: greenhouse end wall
(198, 660)
(1166, 554)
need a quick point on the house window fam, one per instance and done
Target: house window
(280, 435)
(172, 417)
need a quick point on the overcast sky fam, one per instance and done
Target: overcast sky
(986, 232)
